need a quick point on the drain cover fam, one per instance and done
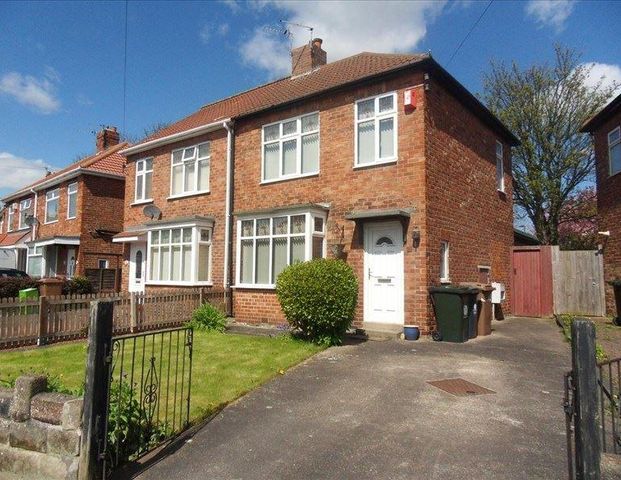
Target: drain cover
(460, 387)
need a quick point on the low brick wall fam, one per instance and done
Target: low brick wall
(39, 431)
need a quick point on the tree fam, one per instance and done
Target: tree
(578, 229)
(545, 106)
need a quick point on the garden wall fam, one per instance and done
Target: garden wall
(39, 431)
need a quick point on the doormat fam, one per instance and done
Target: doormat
(460, 387)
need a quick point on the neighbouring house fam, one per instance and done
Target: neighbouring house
(605, 127)
(383, 160)
(522, 238)
(62, 225)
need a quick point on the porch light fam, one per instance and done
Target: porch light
(416, 238)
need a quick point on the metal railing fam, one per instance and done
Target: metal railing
(609, 381)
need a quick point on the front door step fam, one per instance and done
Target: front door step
(382, 331)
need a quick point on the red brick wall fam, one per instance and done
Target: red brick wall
(608, 207)
(463, 204)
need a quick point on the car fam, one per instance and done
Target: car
(12, 273)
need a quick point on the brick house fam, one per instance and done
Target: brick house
(384, 160)
(605, 127)
(62, 225)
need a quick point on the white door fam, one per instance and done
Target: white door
(137, 266)
(383, 272)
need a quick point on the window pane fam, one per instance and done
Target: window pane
(271, 159)
(280, 226)
(203, 262)
(187, 235)
(164, 264)
(140, 166)
(279, 257)
(52, 210)
(499, 174)
(72, 207)
(155, 262)
(310, 153)
(155, 238)
(298, 224)
(318, 226)
(203, 175)
(366, 142)
(176, 157)
(498, 149)
(289, 157)
(187, 263)
(366, 109)
(289, 128)
(177, 179)
(263, 226)
(271, 133)
(615, 159)
(165, 236)
(139, 180)
(203, 150)
(175, 263)
(614, 135)
(298, 249)
(205, 235)
(189, 177)
(34, 266)
(247, 228)
(247, 259)
(386, 104)
(263, 261)
(387, 146)
(148, 164)
(310, 123)
(188, 153)
(147, 184)
(176, 235)
(317, 247)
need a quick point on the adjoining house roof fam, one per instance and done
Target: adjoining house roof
(13, 238)
(520, 236)
(357, 68)
(604, 114)
(108, 162)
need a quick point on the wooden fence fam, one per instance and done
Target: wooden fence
(60, 318)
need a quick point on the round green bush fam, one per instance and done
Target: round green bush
(77, 286)
(208, 317)
(319, 298)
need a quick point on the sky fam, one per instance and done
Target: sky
(64, 73)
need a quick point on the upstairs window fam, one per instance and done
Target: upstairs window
(51, 206)
(9, 217)
(500, 168)
(25, 210)
(376, 130)
(2, 215)
(72, 200)
(144, 180)
(190, 170)
(614, 151)
(291, 148)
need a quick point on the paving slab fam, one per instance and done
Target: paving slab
(367, 411)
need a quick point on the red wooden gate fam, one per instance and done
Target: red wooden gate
(532, 282)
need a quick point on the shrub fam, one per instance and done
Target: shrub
(10, 286)
(208, 317)
(77, 286)
(319, 298)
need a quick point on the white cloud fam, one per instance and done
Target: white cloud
(17, 172)
(550, 13)
(38, 93)
(84, 100)
(347, 28)
(233, 5)
(605, 73)
(208, 30)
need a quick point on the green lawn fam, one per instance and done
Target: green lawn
(224, 368)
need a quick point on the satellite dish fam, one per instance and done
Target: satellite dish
(31, 220)
(152, 212)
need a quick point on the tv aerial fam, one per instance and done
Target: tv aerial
(284, 29)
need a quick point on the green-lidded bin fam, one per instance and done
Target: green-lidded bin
(454, 311)
(28, 294)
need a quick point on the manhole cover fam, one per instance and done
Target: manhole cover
(460, 387)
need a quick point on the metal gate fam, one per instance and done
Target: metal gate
(149, 383)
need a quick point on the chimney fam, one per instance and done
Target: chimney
(307, 58)
(106, 138)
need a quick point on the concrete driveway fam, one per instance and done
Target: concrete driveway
(367, 412)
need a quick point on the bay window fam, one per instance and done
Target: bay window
(614, 151)
(35, 261)
(376, 130)
(144, 180)
(267, 244)
(25, 210)
(190, 170)
(51, 205)
(72, 200)
(180, 255)
(291, 148)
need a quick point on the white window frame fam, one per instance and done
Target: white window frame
(72, 195)
(185, 162)
(49, 197)
(195, 241)
(1, 221)
(377, 117)
(140, 197)
(24, 205)
(500, 166)
(104, 261)
(611, 145)
(445, 260)
(35, 251)
(308, 235)
(298, 136)
(10, 217)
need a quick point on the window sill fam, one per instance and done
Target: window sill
(50, 223)
(178, 284)
(286, 179)
(21, 228)
(184, 195)
(71, 218)
(376, 164)
(254, 286)
(141, 202)
(445, 281)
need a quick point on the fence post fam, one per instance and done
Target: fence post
(94, 419)
(585, 401)
(43, 318)
(133, 313)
